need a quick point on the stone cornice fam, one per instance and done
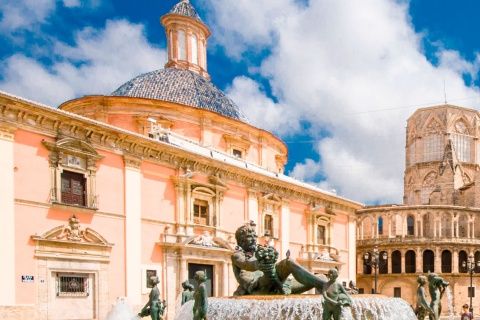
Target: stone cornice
(18, 113)
(7, 132)
(132, 161)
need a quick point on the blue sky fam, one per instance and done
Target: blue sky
(335, 79)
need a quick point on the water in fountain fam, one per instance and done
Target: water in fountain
(448, 291)
(122, 311)
(299, 308)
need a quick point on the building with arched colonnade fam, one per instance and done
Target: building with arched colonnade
(437, 228)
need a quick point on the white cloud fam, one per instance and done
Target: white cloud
(100, 61)
(355, 68)
(28, 15)
(24, 13)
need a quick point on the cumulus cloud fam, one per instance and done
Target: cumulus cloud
(354, 68)
(98, 62)
(28, 15)
(24, 13)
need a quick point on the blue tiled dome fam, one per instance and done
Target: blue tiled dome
(184, 8)
(183, 87)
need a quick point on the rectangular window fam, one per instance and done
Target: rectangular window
(361, 290)
(268, 222)
(73, 188)
(320, 234)
(237, 153)
(149, 274)
(200, 212)
(397, 292)
(72, 285)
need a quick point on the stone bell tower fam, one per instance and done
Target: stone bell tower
(442, 157)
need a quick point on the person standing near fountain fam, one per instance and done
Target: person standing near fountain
(466, 315)
(260, 274)
(201, 298)
(423, 308)
(335, 297)
(154, 307)
(436, 288)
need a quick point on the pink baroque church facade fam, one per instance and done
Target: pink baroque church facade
(103, 192)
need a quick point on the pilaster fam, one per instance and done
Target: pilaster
(285, 228)
(7, 216)
(133, 236)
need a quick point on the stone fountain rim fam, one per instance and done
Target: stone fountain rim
(296, 296)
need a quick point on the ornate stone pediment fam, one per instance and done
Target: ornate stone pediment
(73, 242)
(207, 241)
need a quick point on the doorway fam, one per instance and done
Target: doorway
(208, 268)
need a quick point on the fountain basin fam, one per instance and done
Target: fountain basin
(299, 307)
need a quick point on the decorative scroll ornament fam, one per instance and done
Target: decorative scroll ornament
(73, 232)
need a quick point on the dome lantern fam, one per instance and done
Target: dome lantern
(186, 39)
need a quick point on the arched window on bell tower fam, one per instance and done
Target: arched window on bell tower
(182, 45)
(433, 144)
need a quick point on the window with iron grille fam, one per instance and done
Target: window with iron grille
(72, 285)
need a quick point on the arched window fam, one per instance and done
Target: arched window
(446, 224)
(477, 258)
(203, 55)
(380, 226)
(396, 262)
(433, 143)
(367, 269)
(410, 226)
(171, 44)
(446, 261)
(462, 256)
(383, 268)
(182, 44)
(410, 261)
(428, 224)
(428, 261)
(193, 40)
(463, 226)
(462, 141)
(428, 185)
(368, 227)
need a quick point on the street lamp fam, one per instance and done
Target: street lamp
(470, 266)
(375, 262)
